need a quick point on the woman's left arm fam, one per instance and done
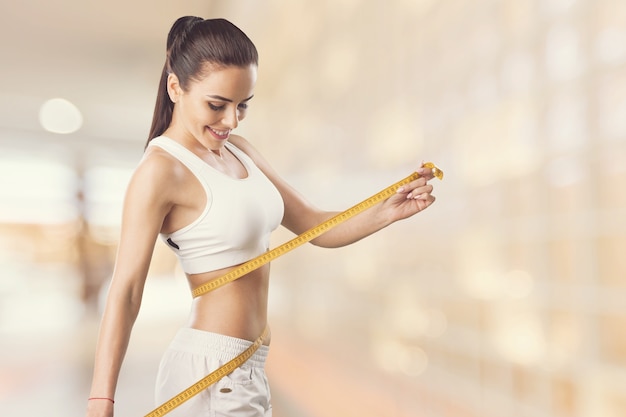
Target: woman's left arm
(409, 200)
(301, 215)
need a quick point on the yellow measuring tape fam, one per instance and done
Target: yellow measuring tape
(263, 259)
(310, 234)
(210, 379)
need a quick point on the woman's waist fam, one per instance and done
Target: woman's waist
(216, 345)
(243, 317)
(255, 280)
(249, 331)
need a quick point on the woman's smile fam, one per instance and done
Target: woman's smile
(219, 134)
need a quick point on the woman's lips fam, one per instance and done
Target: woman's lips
(220, 134)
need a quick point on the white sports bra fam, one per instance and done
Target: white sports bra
(239, 216)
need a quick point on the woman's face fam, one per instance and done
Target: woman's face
(213, 105)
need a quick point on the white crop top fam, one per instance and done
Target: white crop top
(238, 219)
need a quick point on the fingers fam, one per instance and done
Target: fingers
(420, 193)
(426, 173)
(418, 189)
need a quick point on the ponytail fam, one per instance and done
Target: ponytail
(163, 108)
(193, 42)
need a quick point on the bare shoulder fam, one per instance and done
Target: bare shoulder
(244, 145)
(157, 173)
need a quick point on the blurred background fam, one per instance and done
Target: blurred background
(506, 298)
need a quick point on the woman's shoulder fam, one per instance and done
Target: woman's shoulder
(246, 147)
(240, 142)
(158, 168)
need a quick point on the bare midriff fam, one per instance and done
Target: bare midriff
(238, 309)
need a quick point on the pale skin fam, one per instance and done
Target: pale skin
(163, 196)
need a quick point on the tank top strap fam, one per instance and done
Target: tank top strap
(184, 155)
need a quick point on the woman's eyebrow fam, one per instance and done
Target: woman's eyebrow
(227, 99)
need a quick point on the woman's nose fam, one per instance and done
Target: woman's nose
(231, 118)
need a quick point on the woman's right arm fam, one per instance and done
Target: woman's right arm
(146, 204)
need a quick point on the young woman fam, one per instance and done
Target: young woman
(214, 200)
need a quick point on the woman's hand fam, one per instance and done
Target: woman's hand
(411, 198)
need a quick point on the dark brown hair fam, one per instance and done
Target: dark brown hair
(192, 43)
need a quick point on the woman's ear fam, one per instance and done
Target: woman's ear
(173, 87)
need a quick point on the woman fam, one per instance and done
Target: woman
(214, 199)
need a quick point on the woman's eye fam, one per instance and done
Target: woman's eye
(241, 106)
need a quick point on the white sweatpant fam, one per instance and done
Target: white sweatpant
(192, 355)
